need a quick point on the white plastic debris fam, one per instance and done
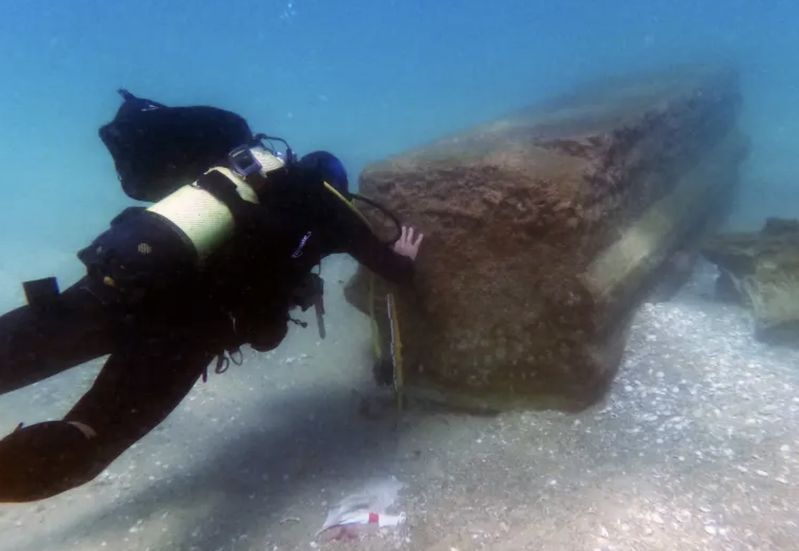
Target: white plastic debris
(367, 507)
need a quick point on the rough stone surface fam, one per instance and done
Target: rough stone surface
(544, 229)
(761, 270)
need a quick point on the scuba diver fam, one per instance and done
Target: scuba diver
(213, 264)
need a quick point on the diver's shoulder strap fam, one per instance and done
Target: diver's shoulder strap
(225, 190)
(221, 187)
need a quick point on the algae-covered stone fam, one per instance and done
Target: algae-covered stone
(544, 228)
(761, 269)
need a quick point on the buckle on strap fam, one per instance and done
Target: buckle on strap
(254, 161)
(243, 162)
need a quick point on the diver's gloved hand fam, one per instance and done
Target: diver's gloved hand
(45, 459)
(407, 245)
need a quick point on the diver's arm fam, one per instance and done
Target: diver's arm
(354, 237)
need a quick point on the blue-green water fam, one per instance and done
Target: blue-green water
(366, 79)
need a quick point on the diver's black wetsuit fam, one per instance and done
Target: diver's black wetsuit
(159, 349)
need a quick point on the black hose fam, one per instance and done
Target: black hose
(290, 157)
(385, 211)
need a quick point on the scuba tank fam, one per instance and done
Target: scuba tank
(203, 212)
(162, 154)
(158, 248)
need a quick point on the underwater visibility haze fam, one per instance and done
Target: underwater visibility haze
(693, 447)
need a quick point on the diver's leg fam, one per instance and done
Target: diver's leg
(133, 393)
(38, 343)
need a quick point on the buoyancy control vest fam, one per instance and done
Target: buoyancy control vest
(157, 149)
(204, 168)
(147, 250)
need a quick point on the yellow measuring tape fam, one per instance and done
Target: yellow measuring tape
(396, 342)
(396, 349)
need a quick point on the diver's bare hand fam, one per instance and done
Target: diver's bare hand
(406, 245)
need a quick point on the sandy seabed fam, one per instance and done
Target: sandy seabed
(695, 447)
